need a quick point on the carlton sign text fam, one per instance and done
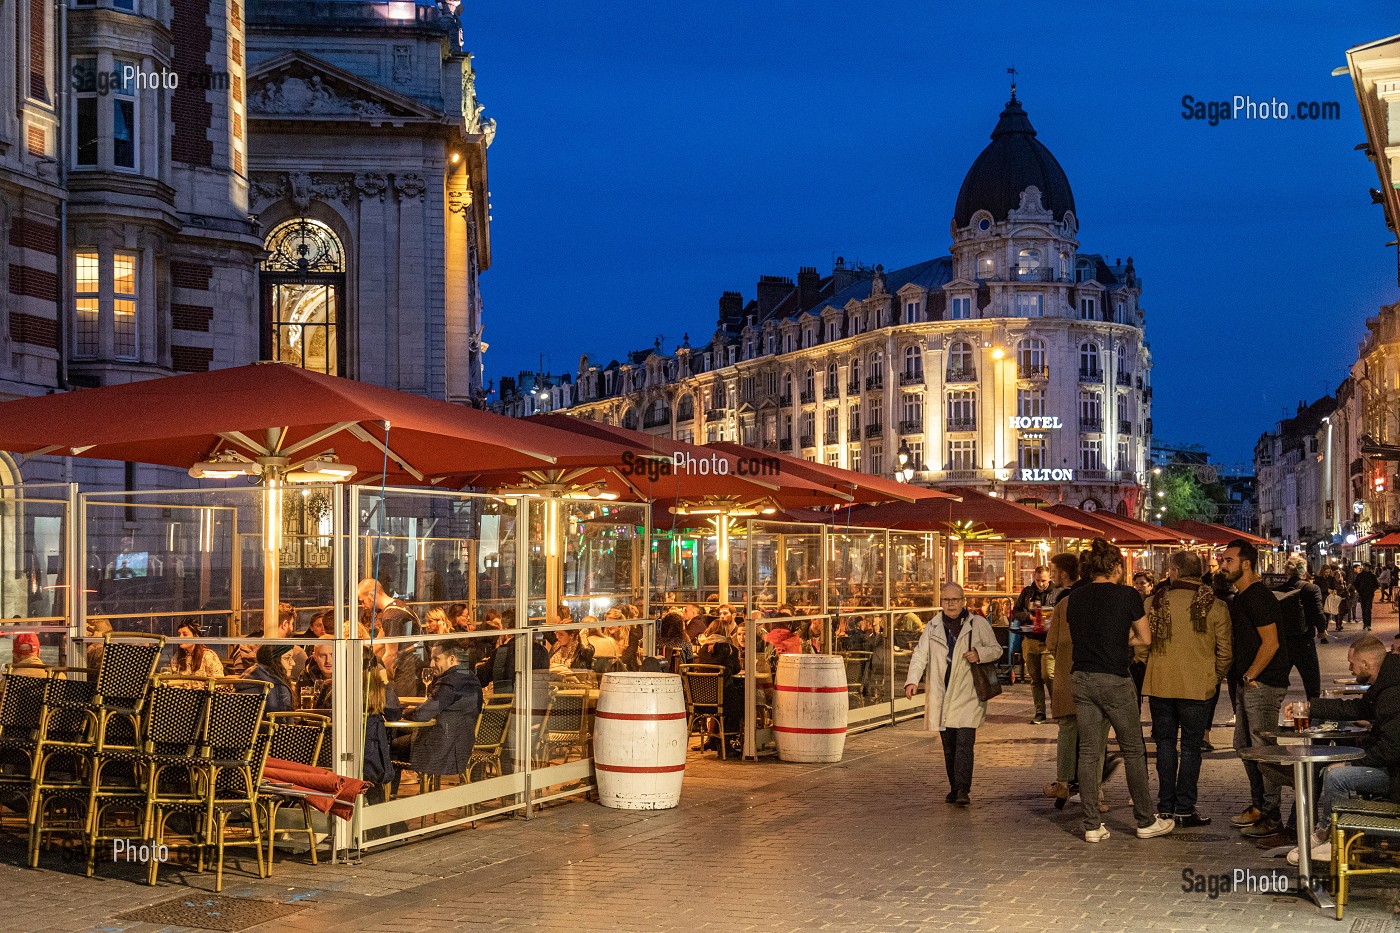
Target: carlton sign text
(1047, 476)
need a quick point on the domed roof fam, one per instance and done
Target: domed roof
(1013, 162)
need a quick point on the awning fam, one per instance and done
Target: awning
(1390, 540)
(975, 512)
(1217, 535)
(1116, 528)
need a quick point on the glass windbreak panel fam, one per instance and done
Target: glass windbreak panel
(565, 687)
(34, 529)
(603, 556)
(856, 566)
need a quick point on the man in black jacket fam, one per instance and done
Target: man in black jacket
(453, 704)
(1032, 606)
(1300, 604)
(1366, 585)
(1378, 773)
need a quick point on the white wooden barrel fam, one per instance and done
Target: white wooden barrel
(809, 712)
(639, 740)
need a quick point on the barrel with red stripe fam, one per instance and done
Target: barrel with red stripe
(809, 712)
(639, 740)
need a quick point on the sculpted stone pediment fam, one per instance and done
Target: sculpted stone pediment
(299, 85)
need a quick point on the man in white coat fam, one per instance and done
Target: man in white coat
(951, 706)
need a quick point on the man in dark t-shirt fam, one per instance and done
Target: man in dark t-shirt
(1259, 673)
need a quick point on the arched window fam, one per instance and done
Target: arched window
(831, 386)
(303, 289)
(1030, 358)
(685, 409)
(877, 367)
(1064, 267)
(1028, 263)
(809, 385)
(913, 363)
(1089, 361)
(1123, 368)
(960, 365)
(855, 372)
(629, 418)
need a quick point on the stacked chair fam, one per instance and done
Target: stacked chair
(1353, 821)
(300, 738)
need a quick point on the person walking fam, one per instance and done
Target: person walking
(1190, 652)
(1300, 603)
(1028, 619)
(1059, 647)
(1366, 585)
(953, 641)
(1259, 673)
(1107, 620)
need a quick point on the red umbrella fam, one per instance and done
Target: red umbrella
(1217, 535)
(974, 511)
(269, 412)
(325, 790)
(1111, 526)
(864, 487)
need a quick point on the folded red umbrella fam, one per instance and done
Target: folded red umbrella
(329, 792)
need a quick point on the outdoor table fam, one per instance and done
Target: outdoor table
(1301, 757)
(1344, 680)
(409, 724)
(1309, 736)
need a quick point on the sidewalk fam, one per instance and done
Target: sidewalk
(864, 844)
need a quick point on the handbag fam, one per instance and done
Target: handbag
(985, 681)
(1333, 605)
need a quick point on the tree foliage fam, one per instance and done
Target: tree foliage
(1182, 495)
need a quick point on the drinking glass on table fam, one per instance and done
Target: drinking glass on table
(427, 675)
(1300, 711)
(308, 696)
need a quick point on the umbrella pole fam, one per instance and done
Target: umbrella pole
(272, 552)
(722, 555)
(553, 559)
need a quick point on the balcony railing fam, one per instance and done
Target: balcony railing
(809, 396)
(1091, 424)
(785, 400)
(954, 476)
(874, 430)
(1038, 275)
(962, 424)
(853, 434)
(1032, 372)
(875, 382)
(911, 379)
(715, 414)
(832, 390)
(960, 375)
(785, 443)
(1097, 474)
(807, 440)
(653, 420)
(1125, 427)
(1124, 379)
(1091, 375)
(911, 427)
(853, 387)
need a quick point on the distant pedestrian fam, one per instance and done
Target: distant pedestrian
(1029, 618)
(1300, 605)
(954, 640)
(1107, 621)
(1189, 655)
(1365, 585)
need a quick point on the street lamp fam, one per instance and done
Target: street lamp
(905, 472)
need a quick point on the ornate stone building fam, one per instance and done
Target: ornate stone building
(1017, 364)
(192, 184)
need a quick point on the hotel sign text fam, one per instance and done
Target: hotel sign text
(1022, 423)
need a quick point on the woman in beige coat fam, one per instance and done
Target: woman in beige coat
(951, 706)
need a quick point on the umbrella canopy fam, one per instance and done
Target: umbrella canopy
(1114, 528)
(863, 487)
(1217, 535)
(660, 469)
(274, 410)
(974, 511)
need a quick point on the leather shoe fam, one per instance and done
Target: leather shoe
(1191, 819)
(952, 797)
(963, 801)
(1268, 826)
(1249, 817)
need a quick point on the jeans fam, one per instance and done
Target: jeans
(1067, 750)
(1342, 781)
(957, 757)
(1256, 708)
(1037, 662)
(1177, 778)
(1100, 697)
(1302, 653)
(1366, 610)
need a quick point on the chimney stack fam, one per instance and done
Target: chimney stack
(772, 289)
(809, 286)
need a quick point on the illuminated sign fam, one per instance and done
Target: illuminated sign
(1047, 476)
(1022, 423)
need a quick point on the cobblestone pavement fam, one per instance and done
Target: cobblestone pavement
(865, 844)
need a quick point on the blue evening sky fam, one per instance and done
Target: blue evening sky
(651, 156)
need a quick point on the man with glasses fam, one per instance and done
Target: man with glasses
(951, 643)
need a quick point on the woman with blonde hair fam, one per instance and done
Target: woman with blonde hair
(435, 622)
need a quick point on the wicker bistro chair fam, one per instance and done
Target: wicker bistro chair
(704, 703)
(857, 668)
(224, 775)
(492, 729)
(299, 737)
(1350, 858)
(59, 794)
(564, 729)
(236, 792)
(21, 722)
(164, 767)
(124, 678)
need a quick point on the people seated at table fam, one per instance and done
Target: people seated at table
(403, 660)
(1378, 773)
(717, 649)
(672, 647)
(26, 660)
(459, 618)
(454, 702)
(435, 622)
(191, 658)
(316, 625)
(272, 667)
(569, 654)
(603, 645)
(316, 677)
(96, 628)
(287, 628)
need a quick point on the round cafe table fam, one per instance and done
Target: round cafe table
(1302, 757)
(1341, 733)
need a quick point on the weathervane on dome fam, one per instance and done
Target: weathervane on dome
(1012, 72)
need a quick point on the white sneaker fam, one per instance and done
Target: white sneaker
(1159, 827)
(1096, 835)
(1321, 852)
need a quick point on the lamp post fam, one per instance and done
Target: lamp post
(905, 471)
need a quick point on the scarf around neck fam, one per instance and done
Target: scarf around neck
(1160, 617)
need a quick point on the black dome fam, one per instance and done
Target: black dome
(1013, 162)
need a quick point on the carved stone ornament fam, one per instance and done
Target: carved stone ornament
(371, 185)
(409, 186)
(459, 199)
(301, 187)
(296, 95)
